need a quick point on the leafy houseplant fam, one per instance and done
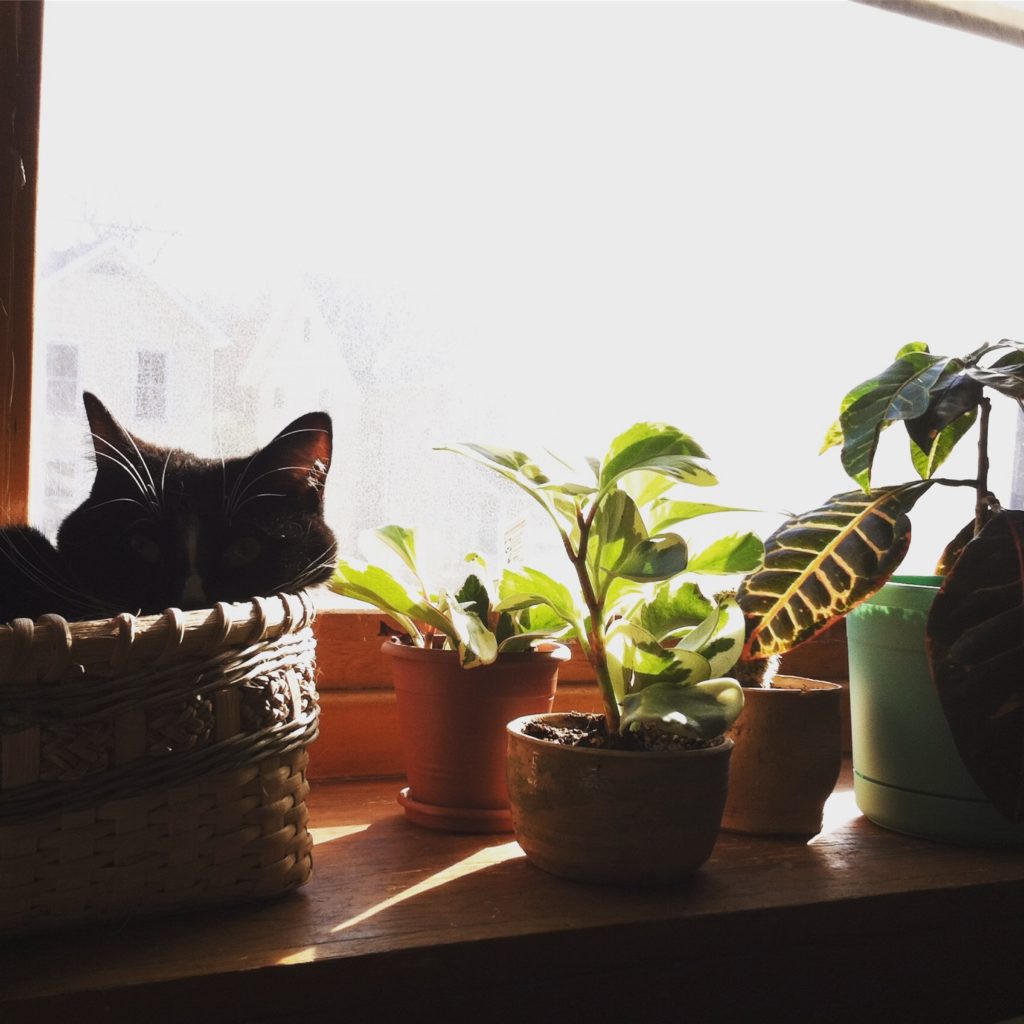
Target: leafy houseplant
(825, 563)
(660, 649)
(462, 670)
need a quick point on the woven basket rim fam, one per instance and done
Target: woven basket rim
(44, 648)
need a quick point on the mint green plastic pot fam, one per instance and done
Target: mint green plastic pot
(907, 773)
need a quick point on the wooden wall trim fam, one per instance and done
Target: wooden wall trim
(21, 34)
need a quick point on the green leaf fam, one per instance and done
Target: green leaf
(505, 628)
(952, 395)
(912, 346)
(474, 594)
(719, 638)
(476, 644)
(618, 528)
(656, 447)
(654, 559)
(667, 513)
(637, 660)
(902, 391)
(701, 711)
(403, 542)
(1005, 375)
(739, 552)
(833, 437)
(377, 587)
(645, 486)
(674, 607)
(512, 465)
(524, 587)
(926, 463)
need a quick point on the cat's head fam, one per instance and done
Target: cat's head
(162, 527)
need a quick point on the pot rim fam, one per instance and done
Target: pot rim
(396, 649)
(515, 727)
(799, 689)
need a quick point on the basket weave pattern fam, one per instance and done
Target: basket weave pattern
(154, 763)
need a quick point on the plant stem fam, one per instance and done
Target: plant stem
(981, 506)
(595, 647)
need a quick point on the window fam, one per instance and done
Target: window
(62, 395)
(523, 224)
(60, 475)
(151, 386)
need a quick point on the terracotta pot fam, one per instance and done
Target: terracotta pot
(611, 816)
(452, 724)
(789, 749)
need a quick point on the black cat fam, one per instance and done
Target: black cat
(162, 527)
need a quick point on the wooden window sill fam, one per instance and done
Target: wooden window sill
(857, 922)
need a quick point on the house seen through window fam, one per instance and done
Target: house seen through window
(151, 386)
(62, 388)
(529, 225)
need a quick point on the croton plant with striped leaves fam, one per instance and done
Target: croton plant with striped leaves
(821, 564)
(661, 647)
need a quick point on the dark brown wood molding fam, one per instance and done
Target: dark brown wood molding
(21, 34)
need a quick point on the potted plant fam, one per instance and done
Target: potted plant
(788, 751)
(461, 671)
(937, 695)
(635, 795)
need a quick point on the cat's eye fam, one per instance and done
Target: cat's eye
(145, 547)
(242, 551)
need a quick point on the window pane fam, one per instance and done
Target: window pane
(524, 224)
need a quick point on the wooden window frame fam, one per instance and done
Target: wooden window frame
(21, 36)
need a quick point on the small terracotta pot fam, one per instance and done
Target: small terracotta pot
(789, 748)
(452, 724)
(612, 816)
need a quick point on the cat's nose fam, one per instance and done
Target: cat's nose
(193, 594)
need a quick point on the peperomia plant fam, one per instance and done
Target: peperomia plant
(464, 620)
(661, 649)
(821, 564)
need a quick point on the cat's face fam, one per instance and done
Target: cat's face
(165, 528)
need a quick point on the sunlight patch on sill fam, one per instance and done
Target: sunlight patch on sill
(485, 858)
(331, 832)
(840, 809)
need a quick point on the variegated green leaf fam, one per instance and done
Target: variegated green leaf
(618, 528)
(701, 711)
(654, 559)
(475, 643)
(665, 512)
(719, 638)
(821, 564)
(737, 553)
(402, 541)
(523, 587)
(674, 606)
(657, 447)
(377, 587)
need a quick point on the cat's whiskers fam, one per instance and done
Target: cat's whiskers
(120, 460)
(312, 569)
(113, 501)
(163, 477)
(240, 499)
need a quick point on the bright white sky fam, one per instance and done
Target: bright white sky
(722, 215)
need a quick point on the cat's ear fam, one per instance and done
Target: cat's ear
(301, 454)
(109, 438)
